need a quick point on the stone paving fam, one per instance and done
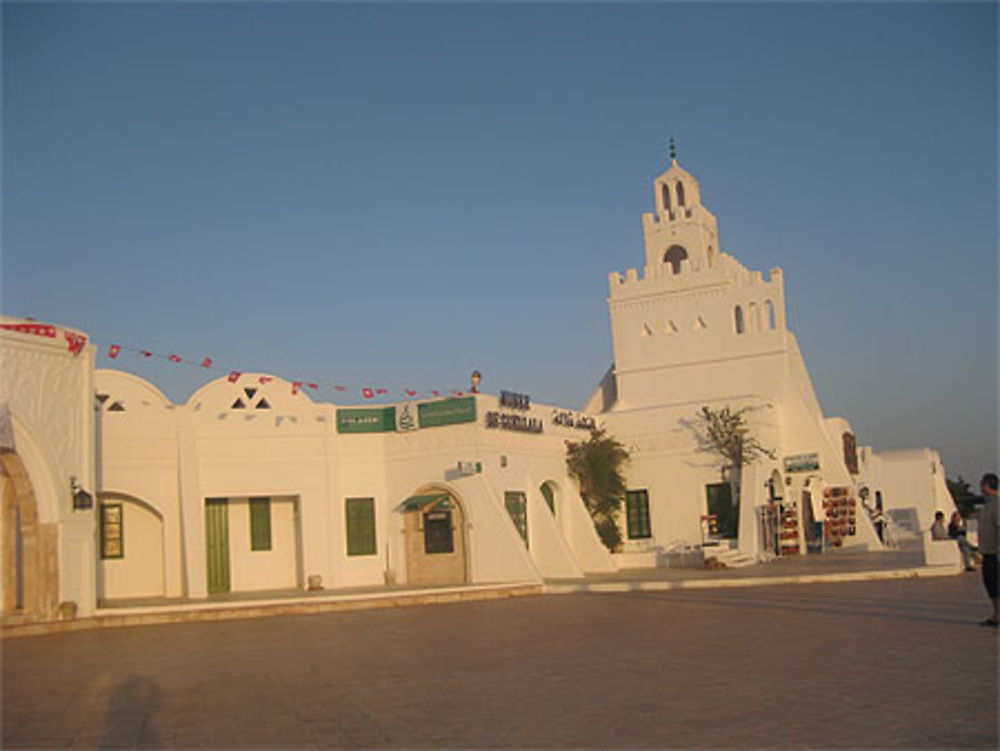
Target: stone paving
(845, 665)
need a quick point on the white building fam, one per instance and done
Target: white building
(250, 487)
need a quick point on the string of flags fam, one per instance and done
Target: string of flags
(76, 342)
(114, 351)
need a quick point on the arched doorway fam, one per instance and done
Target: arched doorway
(30, 559)
(812, 516)
(772, 515)
(434, 527)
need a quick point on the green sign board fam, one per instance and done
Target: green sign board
(366, 420)
(802, 463)
(447, 412)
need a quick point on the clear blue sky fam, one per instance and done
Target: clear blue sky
(393, 195)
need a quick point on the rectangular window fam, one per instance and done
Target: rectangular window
(517, 507)
(260, 523)
(112, 531)
(637, 514)
(360, 513)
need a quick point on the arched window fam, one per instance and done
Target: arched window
(769, 309)
(680, 193)
(738, 319)
(666, 196)
(754, 317)
(674, 255)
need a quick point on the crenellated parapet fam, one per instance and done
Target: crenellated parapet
(691, 303)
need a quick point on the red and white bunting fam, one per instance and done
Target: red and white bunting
(38, 329)
(75, 342)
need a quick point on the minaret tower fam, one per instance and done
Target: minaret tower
(682, 233)
(696, 322)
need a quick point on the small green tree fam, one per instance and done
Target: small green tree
(596, 465)
(961, 493)
(725, 433)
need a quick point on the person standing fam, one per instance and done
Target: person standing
(957, 532)
(989, 531)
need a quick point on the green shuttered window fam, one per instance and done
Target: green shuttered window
(550, 497)
(260, 523)
(360, 514)
(112, 531)
(637, 514)
(517, 507)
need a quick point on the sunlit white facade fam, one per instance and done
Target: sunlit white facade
(251, 486)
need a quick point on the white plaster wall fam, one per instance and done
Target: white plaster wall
(911, 480)
(276, 568)
(49, 392)
(139, 459)
(140, 573)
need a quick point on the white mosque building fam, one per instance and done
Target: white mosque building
(111, 492)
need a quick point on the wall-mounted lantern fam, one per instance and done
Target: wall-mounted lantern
(82, 500)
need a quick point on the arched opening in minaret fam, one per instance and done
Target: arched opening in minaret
(738, 319)
(769, 308)
(665, 190)
(674, 255)
(680, 193)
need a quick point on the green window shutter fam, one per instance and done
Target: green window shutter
(260, 523)
(360, 513)
(637, 514)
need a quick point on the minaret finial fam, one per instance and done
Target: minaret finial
(673, 150)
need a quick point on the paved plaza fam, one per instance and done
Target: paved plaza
(868, 664)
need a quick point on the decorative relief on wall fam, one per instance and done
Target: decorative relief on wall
(44, 390)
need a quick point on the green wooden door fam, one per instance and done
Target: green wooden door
(720, 503)
(217, 543)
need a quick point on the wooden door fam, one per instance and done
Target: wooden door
(217, 543)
